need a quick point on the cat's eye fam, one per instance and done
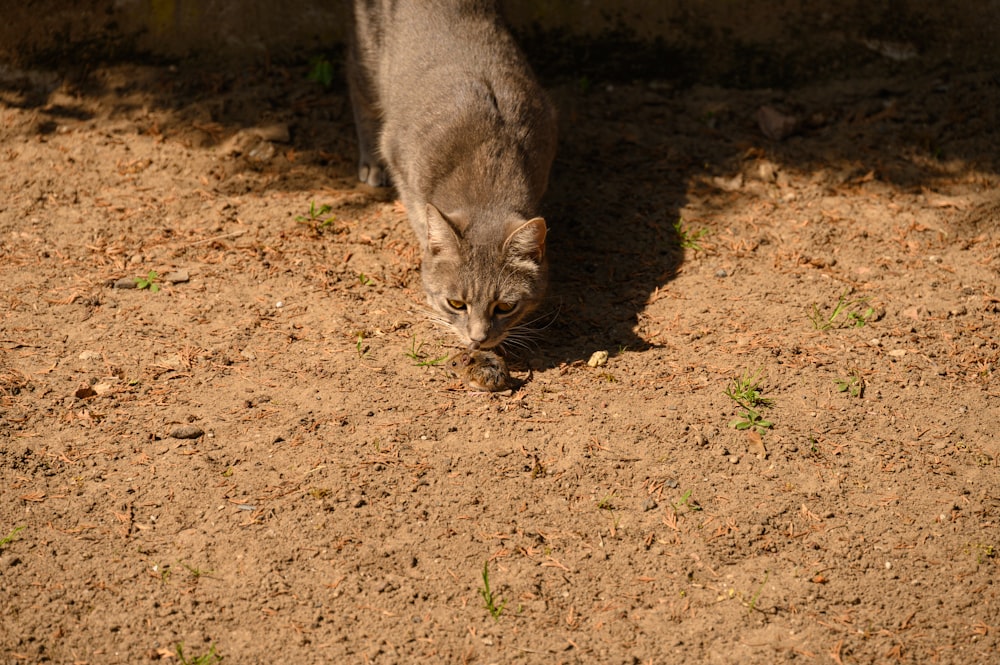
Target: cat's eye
(505, 307)
(456, 304)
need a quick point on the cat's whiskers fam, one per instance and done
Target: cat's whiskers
(525, 335)
(438, 319)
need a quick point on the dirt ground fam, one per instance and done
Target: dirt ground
(342, 493)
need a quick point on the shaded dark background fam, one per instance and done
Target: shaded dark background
(732, 42)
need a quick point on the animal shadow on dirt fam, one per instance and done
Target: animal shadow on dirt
(612, 207)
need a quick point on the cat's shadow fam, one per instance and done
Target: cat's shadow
(613, 200)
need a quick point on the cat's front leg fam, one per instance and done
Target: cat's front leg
(371, 170)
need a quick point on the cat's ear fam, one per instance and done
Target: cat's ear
(442, 233)
(527, 240)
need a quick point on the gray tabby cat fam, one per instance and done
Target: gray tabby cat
(447, 109)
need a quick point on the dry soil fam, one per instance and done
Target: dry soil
(260, 455)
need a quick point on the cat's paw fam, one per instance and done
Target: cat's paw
(373, 175)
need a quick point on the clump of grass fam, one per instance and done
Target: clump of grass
(419, 358)
(196, 573)
(752, 605)
(321, 71)
(687, 238)
(361, 347)
(853, 385)
(686, 502)
(10, 537)
(858, 313)
(489, 599)
(316, 218)
(163, 572)
(745, 390)
(150, 281)
(209, 658)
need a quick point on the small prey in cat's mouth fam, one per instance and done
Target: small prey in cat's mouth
(483, 371)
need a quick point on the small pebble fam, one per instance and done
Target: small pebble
(721, 272)
(83, 392)
(277, 132)
(649, 504)
(125, 283)
(734, 459)
(177, 277)
(186, 432)
(598, 359)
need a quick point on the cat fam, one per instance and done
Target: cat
(449, 112)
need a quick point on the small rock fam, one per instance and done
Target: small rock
(896, 51)
(89, 355)
(598, 359)
(177, 277)
(278, 132)
(734, 459)
(897, 353)
(721, 272)
(84, 392)
(262, 152)
(733, 184)
(671, 483)
(649, 504)
(774, 124)
(766, 171)
(822, 261)
(186, 432)
(125, 283)
(357, 501)
(103, 388)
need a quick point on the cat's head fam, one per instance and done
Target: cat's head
(482, 285)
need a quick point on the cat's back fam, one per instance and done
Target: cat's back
(422, 48)
(455, 92)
